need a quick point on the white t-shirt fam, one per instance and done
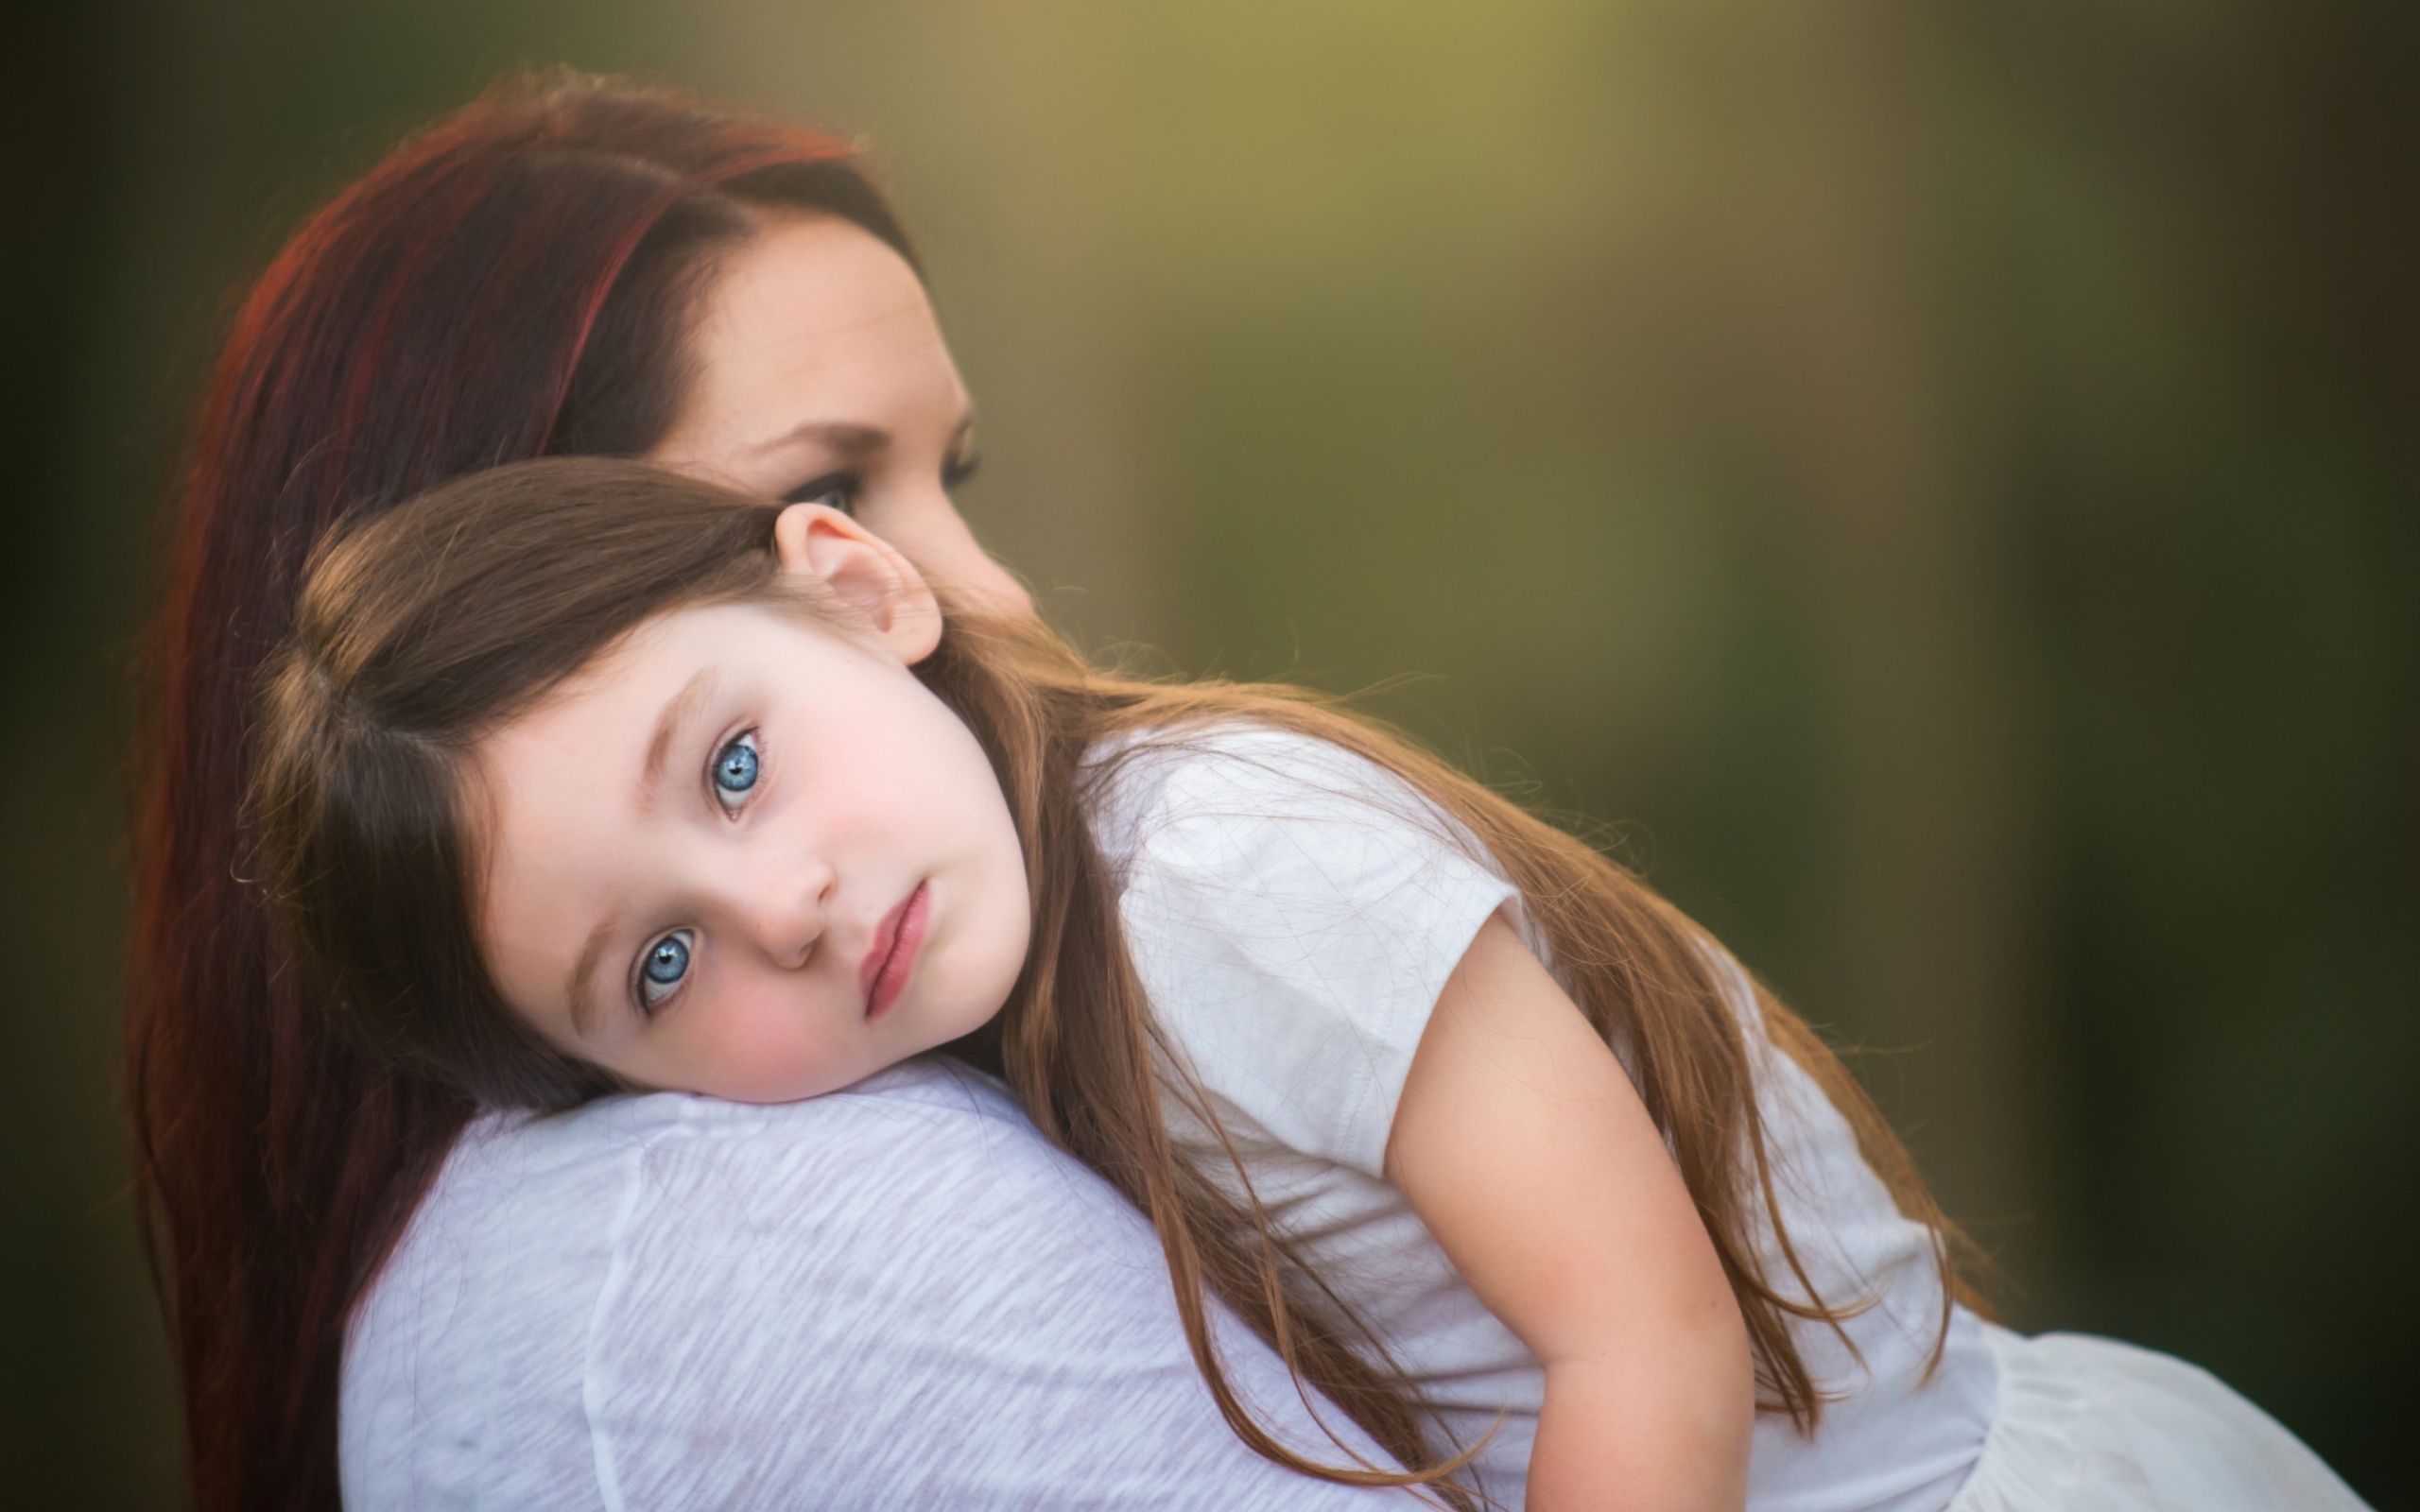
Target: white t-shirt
(1293, 912)
(897, 1296)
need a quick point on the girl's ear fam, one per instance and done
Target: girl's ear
(866, 571)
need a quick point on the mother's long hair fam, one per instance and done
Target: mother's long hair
(424, 632)
(514, 281)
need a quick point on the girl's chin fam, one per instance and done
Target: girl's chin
(767, 1096)
(766, 1087)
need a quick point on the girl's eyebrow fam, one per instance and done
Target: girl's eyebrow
(677, 710)
(577, 987)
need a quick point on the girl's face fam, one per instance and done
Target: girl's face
(749, 856)
(821, 377)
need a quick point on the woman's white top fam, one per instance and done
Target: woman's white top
(1293, 911)
(897, 1296)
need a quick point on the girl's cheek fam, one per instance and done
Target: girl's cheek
(765, 1055)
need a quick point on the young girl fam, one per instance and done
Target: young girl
(580, 777)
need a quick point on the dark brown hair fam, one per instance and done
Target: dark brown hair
(424, 630)
(515, 280)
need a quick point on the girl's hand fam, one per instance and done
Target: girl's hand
(1524, 1148)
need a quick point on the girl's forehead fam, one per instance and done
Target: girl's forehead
(566, 785)
(620, 699)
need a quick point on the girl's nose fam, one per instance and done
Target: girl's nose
(786, 909)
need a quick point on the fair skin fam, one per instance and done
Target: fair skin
(821, 377)
(696, 880)
(779, 825)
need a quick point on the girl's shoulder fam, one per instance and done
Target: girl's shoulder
(1235, 788)
(1292, 910)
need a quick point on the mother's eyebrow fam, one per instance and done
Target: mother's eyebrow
(850, 440)
(846, 437)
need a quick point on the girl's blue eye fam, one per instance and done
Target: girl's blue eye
(665, 966)
(735, 770)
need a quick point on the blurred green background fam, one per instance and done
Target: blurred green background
(1942, 480)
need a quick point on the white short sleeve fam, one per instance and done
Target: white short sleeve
(1293, 911)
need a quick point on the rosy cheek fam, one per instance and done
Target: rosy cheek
(770, 1052)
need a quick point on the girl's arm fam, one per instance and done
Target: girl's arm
(1524, 1148)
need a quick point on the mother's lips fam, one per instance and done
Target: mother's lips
(892, 956)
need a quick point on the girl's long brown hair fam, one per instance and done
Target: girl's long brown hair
(427, 629)
(518, 279)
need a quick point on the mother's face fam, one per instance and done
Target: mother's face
(821, 376)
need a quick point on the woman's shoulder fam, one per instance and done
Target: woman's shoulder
(528, 1210)
(626, 1231)
(527, 1144)
(897, 1294)
(929, 1111)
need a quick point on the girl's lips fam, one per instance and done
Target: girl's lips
(894, 952)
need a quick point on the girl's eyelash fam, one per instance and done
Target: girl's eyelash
(663, 970)
(847, 485)
(958, 469)
(732, 776)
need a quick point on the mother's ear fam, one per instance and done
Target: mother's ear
(866, 571)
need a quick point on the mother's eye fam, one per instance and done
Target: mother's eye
(735, 769)
(664, 967)
(834, 491)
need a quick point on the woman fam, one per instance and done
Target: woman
(563, 267)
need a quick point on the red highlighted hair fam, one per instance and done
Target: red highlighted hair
(517, 280)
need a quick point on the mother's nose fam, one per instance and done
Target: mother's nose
(945, 551)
